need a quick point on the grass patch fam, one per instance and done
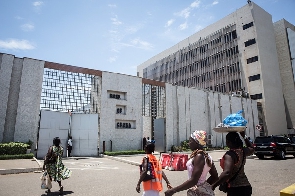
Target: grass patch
(124, 152)
(17, 156)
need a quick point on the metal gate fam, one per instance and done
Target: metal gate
(160, 134)
(82, 127)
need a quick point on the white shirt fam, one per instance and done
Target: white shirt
(203, 176)
(70, 142)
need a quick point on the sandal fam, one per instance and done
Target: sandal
(61, 190)
(48, 191)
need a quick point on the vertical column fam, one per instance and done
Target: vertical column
(12, 103)
(27, 119)
(6, 64)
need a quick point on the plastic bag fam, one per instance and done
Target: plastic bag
(45, 181)
(235, 119)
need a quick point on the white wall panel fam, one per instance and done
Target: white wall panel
(188, 109)
(255, 119)
(181, 114)
(49, 129)
(193, 111)
(171, 116)
(201, 110)
(236, 104)
(84, 132)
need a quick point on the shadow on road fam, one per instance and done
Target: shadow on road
(57, 193)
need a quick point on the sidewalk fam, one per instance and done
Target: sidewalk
(15, 166)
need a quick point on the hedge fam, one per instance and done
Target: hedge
(124, 152)
(13, 148)
(17, 156)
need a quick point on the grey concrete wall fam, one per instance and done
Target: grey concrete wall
(27, 119)
(190, 109)
(6, 64)
(12, 102)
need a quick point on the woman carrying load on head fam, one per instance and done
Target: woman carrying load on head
(198, 166)
(233, 176)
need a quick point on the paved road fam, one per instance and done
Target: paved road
(107, 177)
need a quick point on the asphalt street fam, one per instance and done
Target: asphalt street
(108, 177)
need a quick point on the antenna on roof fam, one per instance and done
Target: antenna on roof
(248, 1)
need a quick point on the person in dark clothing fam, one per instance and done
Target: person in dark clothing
(233, 163)
(143, 143)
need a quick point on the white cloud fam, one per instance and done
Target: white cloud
(195, 4)
(169, 23)
(215, 2)
(137, 43)
(131, 30)
(37, 6)
(14, 44)
(113, 59)
(184, 13)
(183, 26)
(116, 21)
(19, 18)
(112, 5)
(27, 27)
(37, 3)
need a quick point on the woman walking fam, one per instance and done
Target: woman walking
(54, 166)
(198, 166)
(233, 179)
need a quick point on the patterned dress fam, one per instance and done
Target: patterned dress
(57, 170)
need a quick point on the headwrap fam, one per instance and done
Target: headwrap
(199, 136)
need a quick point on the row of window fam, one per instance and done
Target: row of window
(233, 85)
(202, 63)
(256, 96)
(233, 68)
(252, 59)
(250, 42)
(254, 77)
(246, 26)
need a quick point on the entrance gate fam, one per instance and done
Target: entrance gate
(82, 127)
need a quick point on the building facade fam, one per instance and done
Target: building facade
(285, 41)
(106, 111)
(236, 55)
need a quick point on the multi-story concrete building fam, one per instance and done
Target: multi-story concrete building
(235, 55)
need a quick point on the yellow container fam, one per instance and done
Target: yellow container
(288, 191)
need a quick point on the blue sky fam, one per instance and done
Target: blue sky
(114, 36)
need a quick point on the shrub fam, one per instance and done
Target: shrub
(13, 148)
(185, 145)
(29, 143)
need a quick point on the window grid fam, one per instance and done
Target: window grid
(68, 91)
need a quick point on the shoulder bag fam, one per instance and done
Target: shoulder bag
(50, 157)
(150, 170)
(225, 185)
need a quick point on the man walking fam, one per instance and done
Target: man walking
(70, 146)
